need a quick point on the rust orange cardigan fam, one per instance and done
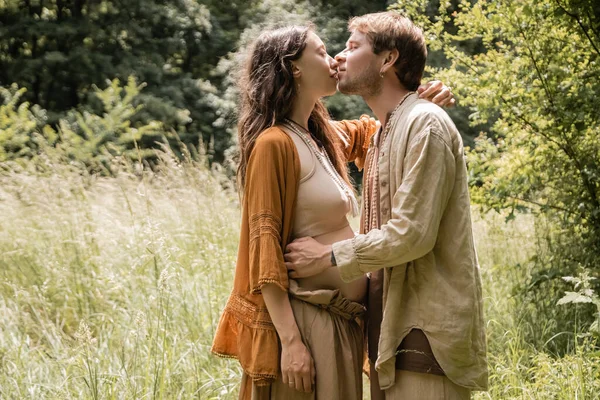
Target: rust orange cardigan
(245, 330)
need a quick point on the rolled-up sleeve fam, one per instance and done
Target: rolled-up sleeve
(417, 209)
(354, 137)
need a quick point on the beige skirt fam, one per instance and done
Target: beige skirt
(331, 329)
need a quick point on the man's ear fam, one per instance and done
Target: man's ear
(389, 60)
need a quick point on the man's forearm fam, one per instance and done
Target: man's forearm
(417, 208)
(380, 248)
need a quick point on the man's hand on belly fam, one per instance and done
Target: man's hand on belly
(306, 257)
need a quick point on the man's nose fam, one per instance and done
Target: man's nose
(340, 57)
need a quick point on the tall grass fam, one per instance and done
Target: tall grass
(111, 288)
(520, 369)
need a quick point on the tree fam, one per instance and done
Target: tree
(59, 49)
(536, 81)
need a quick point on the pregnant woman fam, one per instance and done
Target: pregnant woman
(294, 339)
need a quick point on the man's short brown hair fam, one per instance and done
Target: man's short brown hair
(390, 30)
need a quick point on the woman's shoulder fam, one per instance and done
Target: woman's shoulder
(274, 138)
(274, 134)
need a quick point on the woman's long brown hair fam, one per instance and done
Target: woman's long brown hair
(268, 90)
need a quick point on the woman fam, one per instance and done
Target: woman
(294, 340)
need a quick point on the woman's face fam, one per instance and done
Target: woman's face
(316, 72)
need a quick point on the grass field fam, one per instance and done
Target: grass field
(111, 289)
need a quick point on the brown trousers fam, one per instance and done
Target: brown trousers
(418, 386)
(331, 329)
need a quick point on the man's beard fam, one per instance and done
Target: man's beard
(367, 84)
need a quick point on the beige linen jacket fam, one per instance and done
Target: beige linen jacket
(425, 244)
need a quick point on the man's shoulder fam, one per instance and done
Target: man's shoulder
(424, 110)
(427, 116)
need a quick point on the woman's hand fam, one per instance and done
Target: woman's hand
(297, 366)
(437, 93)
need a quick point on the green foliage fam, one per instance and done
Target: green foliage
(186, 52)
(95, 140)
(59, 50)
(18, 124)
(82, 137)
(520, 369)
(584, 294)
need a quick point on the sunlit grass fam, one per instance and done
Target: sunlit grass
(111, 288)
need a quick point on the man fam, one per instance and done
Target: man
(426, 336)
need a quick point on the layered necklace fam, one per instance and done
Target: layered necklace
(371, 217)
(391, 117)
(325, 162)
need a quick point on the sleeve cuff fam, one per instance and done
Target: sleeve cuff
(347, 263)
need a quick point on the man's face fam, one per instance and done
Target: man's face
(359, 67)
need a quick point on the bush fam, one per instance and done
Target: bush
(81, 137)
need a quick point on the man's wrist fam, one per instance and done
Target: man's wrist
(326, 258)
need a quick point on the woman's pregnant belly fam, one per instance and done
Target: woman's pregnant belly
(330, 278)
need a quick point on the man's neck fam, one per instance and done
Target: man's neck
(386, 101)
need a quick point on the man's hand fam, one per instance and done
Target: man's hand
(306, 257)
(297, 366)
(437, 93)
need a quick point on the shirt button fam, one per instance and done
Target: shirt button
(383, 154)
(383, 183)
(384, 210)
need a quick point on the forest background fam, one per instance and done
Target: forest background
(119, 217)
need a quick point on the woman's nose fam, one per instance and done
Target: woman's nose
(333, 64)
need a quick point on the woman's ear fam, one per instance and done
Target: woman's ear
(296, 71)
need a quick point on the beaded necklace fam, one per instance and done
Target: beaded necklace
(325, 162)
(371, 218)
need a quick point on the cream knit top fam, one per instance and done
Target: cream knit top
(321, 205)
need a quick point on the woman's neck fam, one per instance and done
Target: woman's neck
(301, 110)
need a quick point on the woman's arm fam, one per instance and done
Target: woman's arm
(437, 93)
(354, 136)
(267, 177)
(297, 365)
